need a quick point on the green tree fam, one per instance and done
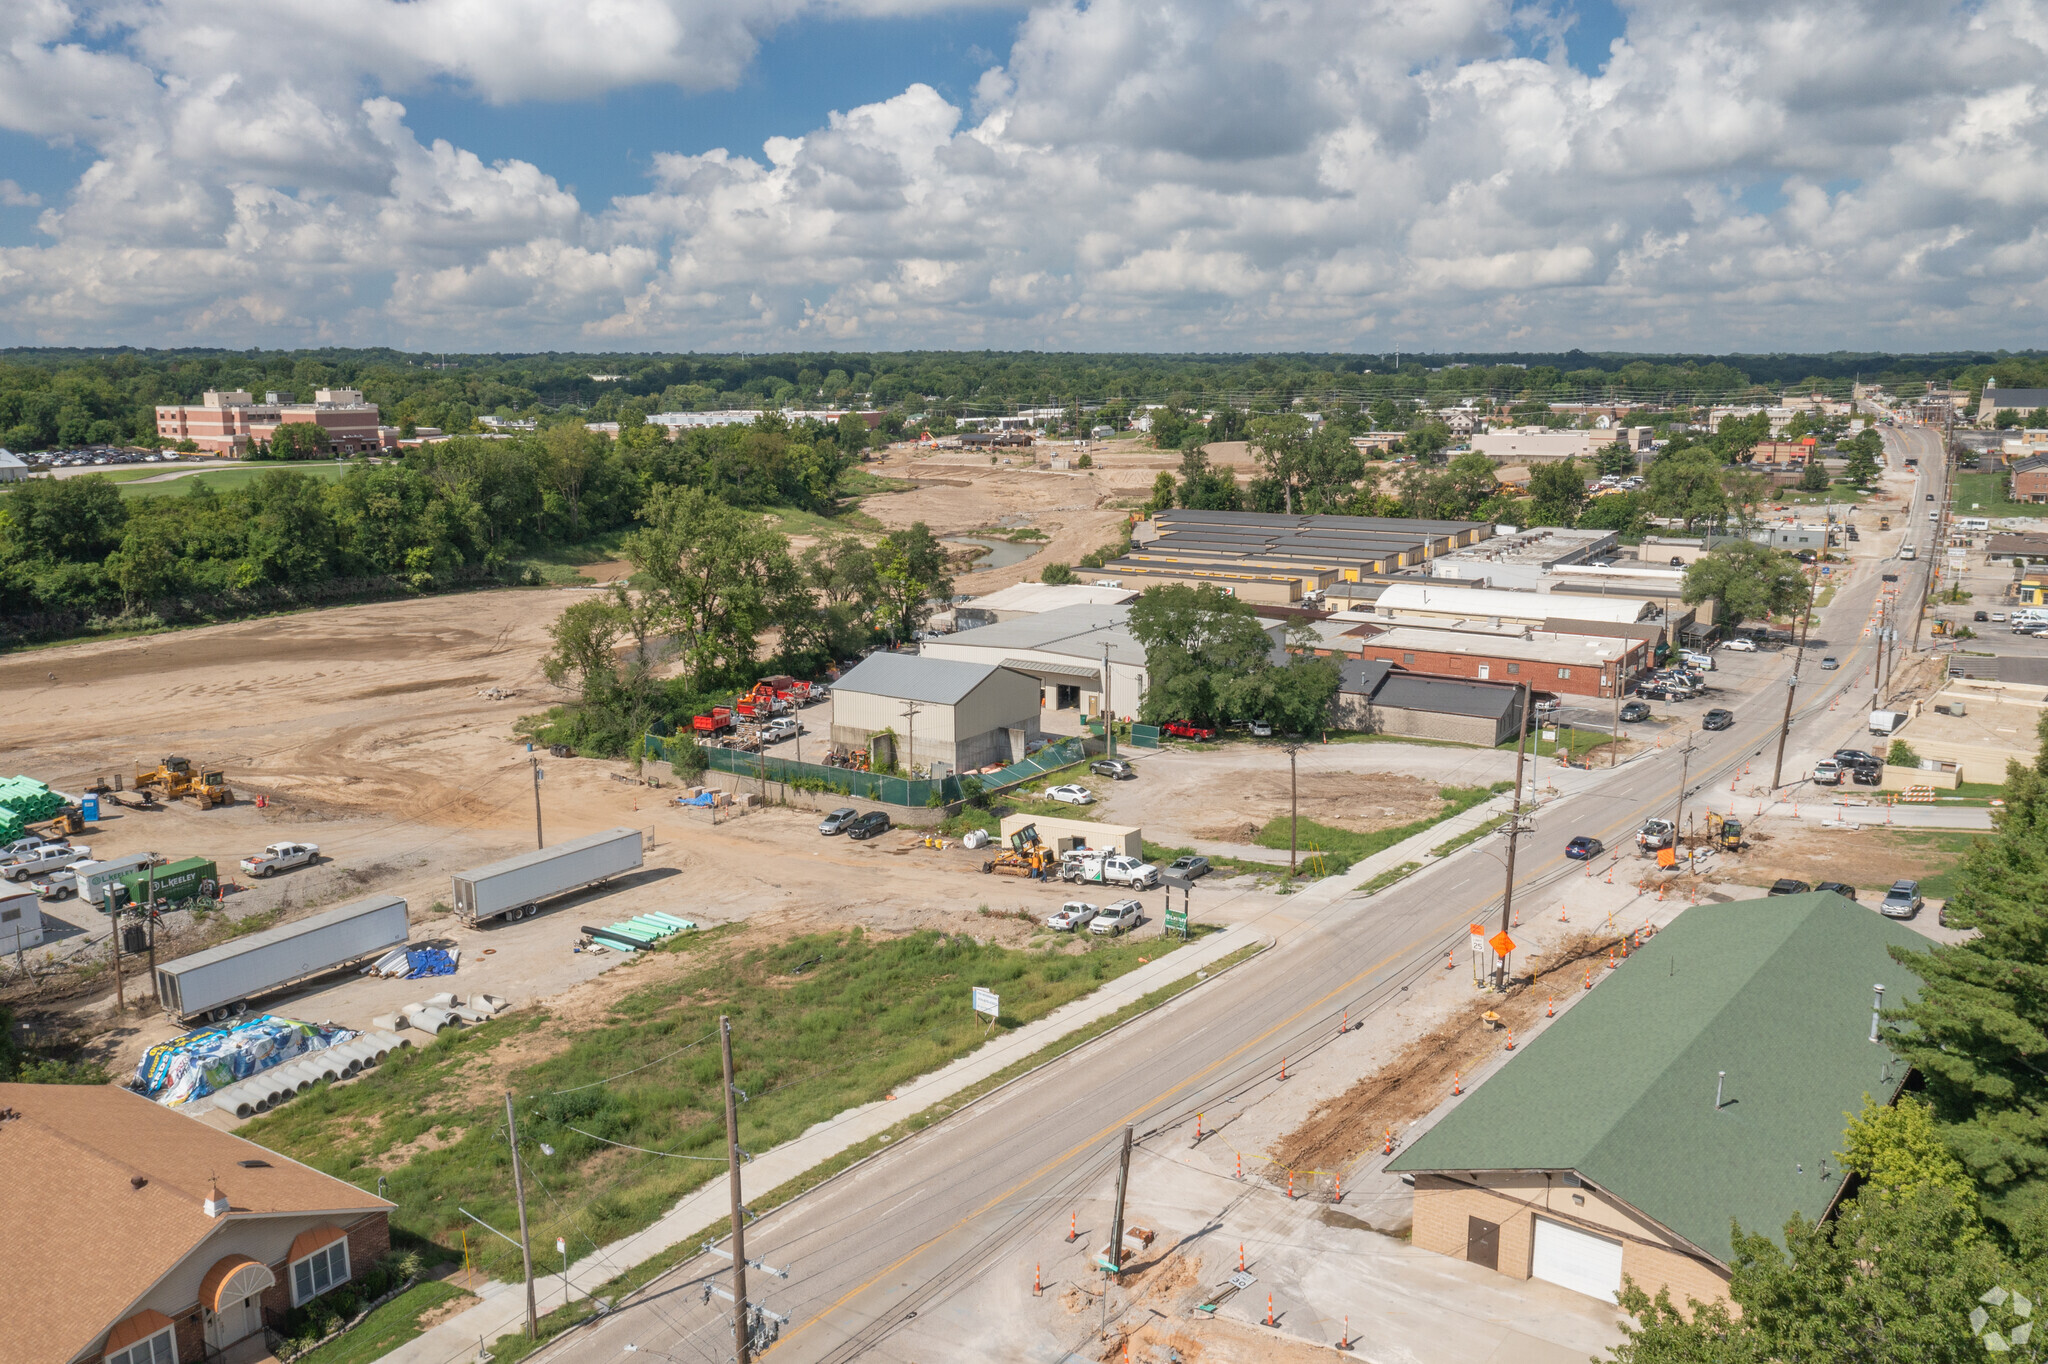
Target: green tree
(1862, 450)
(1615, 459)
(1279, 444)
(1686, 484)
(1814, 477)
(1426, 440)
(1196, 640)
(1627, 513)
(1056, 573)
(1978, 1030)
(571, 454)
(1898, 1149)
(1557, 493)
(910, 579)
(1749, 581)
(1204, 487)
(298, 440)
(722, 578)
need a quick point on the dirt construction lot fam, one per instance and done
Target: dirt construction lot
(368, 731)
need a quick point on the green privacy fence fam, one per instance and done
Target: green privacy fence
(875, 786)
(1136, 735)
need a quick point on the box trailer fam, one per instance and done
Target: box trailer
(174, 883)
(21, 918)
(514, 888)
(1883, 722)
(221, 980)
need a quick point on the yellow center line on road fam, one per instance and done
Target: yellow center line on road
(1554, 862)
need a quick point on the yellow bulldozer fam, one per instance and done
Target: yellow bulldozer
(1026, 857)
(177, 779)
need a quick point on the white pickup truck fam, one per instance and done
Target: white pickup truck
(280, 857)
(49, 857)
(1112, 870)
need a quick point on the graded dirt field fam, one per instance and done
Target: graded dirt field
(383, 733)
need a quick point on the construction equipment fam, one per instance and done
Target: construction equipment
(69, 821)
(1725, 832)
(176, 779)
(718, 721)
(1026, 857)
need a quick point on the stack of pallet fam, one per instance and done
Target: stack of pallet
(640, 931)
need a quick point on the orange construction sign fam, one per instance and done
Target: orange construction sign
(1667, 857)
(1501, 943)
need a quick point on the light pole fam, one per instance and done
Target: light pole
(538, 773)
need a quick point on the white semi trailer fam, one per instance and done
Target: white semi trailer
(220, 980)
(514, 888)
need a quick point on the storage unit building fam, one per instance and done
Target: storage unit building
(1062, 651)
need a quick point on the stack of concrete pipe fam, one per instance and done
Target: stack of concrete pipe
(261, 1093)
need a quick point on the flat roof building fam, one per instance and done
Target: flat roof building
(1443, 606)
(1523, 559)
(1578, 665)
(1063, 649)
(228, 422)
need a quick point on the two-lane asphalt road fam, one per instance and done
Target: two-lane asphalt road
(868, 1252)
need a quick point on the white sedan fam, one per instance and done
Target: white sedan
(1071, 795)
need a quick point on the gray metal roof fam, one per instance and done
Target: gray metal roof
(2017, 397)
(1362, 675)
(1445, 696)
(1073, 631)
(914, 677)
(2026, 672)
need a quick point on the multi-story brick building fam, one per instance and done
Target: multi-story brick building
(137, 1235)
(227, 422)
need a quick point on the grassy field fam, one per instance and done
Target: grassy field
(1327, 851)
(821, 1024)
(562, 565)
(1984, 495)
(221, 480)
(385, 1329)
(1577, 742)
(1938, 853)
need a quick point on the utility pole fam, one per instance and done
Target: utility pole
(740, 1335)
(538, 841)
(1684, 772)
(1614, 747)
(1108, 711)
(114, 943)
(1507, 894)
(149, 918)
(1792, 682)
(910, 709)
(525, 1244)
(1116, 1221)
(1293, 807)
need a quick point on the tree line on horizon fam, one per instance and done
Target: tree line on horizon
(57, 398)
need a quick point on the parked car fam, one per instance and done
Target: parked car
(49, 857)
(839, 820)
(1181, 729)
(1829, 664)
(1070, 794)
(1191, 867)
(1116, 769)
(28, 843)
(1259, 729)
(1998, 617)
(873, 824)
(1847, 892)
(1866, 776)
(280, 857)
(1856, 757)
(1740, 645)
(1717, 719)
(1071, 916)
(1633, 711)
(1584, 848)
(1902, 901)
(1827, 772)
(1982, 615)
(1788, 886)
(1118, 918)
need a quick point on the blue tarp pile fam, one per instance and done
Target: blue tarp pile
(428, 961)
(195, 1065)
(702, 798)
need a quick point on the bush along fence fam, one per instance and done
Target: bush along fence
(915, 792)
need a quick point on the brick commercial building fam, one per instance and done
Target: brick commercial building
(1703, 1083)
(227, 423)
(1572, 665)
(137, 1235)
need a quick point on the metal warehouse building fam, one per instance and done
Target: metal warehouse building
(948, 715)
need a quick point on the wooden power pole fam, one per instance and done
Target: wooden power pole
(740, 1334)
(1507, 894)
(525, 1242)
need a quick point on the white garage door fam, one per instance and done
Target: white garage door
(1577, 1260)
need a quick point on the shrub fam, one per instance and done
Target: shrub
(687, 758)
(1902, 755)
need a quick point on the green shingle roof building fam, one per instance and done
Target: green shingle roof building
(1600, 1148)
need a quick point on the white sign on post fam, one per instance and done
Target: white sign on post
(986, 1002)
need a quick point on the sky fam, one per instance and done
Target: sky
(1166, 175)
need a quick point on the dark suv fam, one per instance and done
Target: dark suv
(870, 825)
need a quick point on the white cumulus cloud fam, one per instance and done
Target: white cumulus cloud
(1203, 174)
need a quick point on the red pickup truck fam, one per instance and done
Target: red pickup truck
(1181, 729)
